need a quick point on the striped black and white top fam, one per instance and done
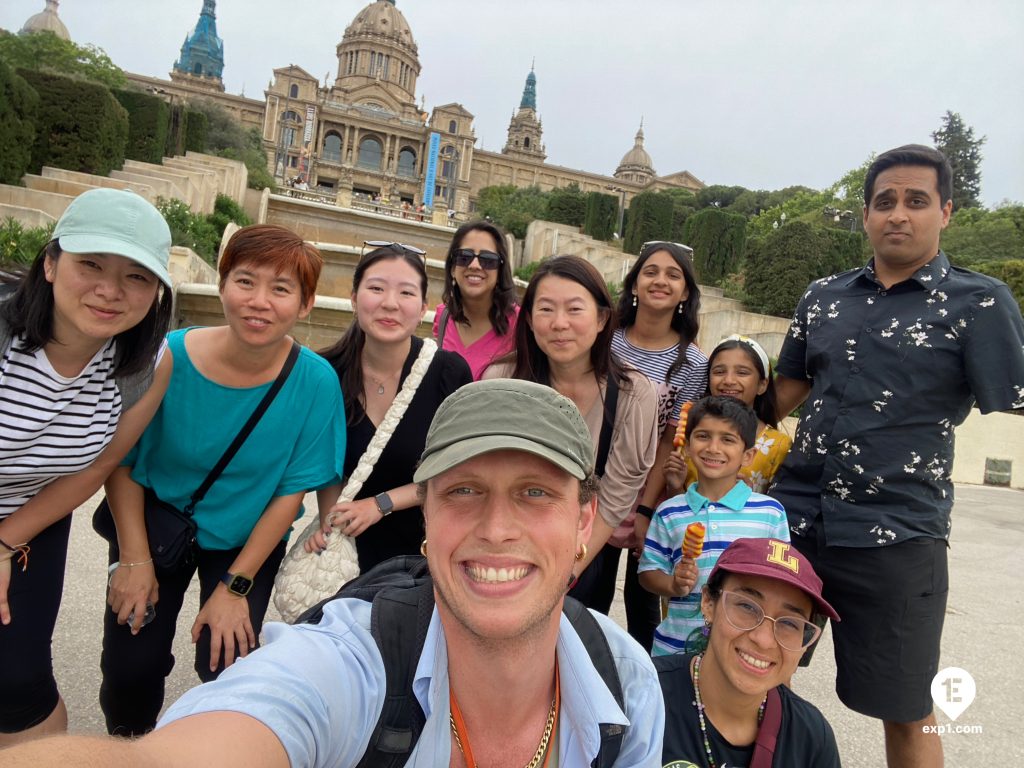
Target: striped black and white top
(51, 425)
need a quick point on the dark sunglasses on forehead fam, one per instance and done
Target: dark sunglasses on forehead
(463, 257)
(395, 247)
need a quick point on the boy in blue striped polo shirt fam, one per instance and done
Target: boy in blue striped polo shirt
(720, 437)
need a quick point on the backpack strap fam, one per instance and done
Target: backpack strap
(596, 643)
(604, 443)
(442, 325)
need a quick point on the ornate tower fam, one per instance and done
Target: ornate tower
(636, 164)
(202, 55)
(524, 130)
(46, 21)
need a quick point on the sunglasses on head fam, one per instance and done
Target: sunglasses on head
(463, 257)
(402, 247)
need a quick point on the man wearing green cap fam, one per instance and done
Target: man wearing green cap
(503, 678)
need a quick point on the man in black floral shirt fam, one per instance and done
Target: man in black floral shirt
(887, 360)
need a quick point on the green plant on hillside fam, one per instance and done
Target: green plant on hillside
(20, 244)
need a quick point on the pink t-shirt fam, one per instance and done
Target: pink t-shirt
(484, 350)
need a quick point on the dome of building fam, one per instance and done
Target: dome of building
(636, 165)
(46, 21)
(381, 20)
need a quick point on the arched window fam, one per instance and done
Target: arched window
(406, 162)
(332, 148)
(526, 143)
(197, 68)
(453, 127)
(294, 91)
(369, 153)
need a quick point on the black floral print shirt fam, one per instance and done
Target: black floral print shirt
(892, 372)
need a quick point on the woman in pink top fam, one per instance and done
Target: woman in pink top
(477, 318)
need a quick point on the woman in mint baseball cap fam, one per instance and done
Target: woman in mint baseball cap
(730, 705)
(80, 336)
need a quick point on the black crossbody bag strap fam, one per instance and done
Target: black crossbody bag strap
(244, 432)
(604, 441)
(442, 325)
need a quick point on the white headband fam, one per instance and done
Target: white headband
(757, 348)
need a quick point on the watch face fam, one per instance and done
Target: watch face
(240, 585)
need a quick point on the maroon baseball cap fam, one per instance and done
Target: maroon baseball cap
(777, 560)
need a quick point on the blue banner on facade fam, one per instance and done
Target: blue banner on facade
(430, 177)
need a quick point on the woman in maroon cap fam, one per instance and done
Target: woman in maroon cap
(729, 705)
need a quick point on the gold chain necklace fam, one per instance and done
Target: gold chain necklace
(459, 726)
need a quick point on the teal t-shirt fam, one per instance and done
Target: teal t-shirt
(298, 445)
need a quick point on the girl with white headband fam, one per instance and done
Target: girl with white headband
(738, 367)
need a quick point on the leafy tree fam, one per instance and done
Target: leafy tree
(849, 190)
(718, 239)
(148, 118)
(226, 210)
(222, 130)
(956, 141)
(567, 205)
(19, 105)
(20, 245)
(780, 265)
(976, 235)
(44, 51)
(806, 205)
(80, 125)
(512, 207)
(718, 196)
(601, 216)
(650, 218)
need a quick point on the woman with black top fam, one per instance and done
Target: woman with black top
(373, 359)
(730, 705)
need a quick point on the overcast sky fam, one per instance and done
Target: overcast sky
(760, 93)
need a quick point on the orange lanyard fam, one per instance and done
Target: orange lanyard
(462, 733)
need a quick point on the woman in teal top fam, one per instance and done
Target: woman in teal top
(268, 279)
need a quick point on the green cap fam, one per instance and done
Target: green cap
(117, 221)
(507, 414)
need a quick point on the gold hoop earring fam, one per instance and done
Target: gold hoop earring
(423, 548)
(582, 554)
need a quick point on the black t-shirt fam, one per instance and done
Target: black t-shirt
(401, 532)
(805, 737)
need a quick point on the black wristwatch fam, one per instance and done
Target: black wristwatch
(384, 504)
(237, 584)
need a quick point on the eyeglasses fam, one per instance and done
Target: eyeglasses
(793, 633)
(394, 246)
(489, 260)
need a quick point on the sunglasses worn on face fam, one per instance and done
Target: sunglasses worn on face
(794, 633)
(394, 246)
(463, 257)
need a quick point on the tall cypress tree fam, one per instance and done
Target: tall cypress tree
(956, 141)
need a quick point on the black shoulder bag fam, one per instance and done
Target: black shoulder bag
(172, 531)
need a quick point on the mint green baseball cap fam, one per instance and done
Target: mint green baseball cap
(117, 221)
(507, 414)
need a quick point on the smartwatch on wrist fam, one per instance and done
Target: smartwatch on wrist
(384, 504)
(237, 584)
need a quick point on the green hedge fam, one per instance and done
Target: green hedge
(80, 125)
(19, 105)
(602, 215)
(718, 240)
(650, 218)
(195, 131)
(779, 267)
(148, 119)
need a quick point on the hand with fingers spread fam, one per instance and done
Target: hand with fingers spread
(227, 616)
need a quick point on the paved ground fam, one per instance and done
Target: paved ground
(983, 633)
